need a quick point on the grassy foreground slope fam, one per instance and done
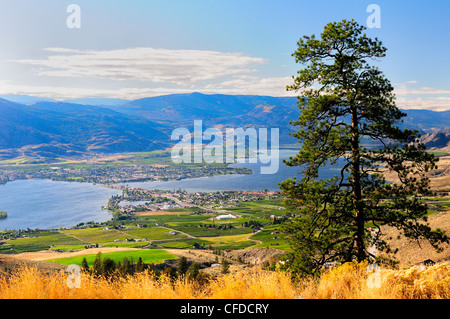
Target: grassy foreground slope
(350, 281)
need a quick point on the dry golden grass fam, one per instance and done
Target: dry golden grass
(349, 281)
(355, 281)
(29, 283)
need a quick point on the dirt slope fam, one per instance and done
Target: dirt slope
(255, 255)
(411, 253)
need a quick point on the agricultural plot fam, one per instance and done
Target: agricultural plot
(148, 256)
(153, 233)
(97, 235)
(188, 243)
(230, 242)
(37, 241)
(201, 230)
(259, 209)
(218, 242)
(271, 238)
(207, 231)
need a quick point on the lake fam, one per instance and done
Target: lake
(48, 205)
(253, 182)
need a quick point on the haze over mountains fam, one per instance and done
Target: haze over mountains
(48, 129)
(31, 126)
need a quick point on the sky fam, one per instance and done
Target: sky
(142, 48)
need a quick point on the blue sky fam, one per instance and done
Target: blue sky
(134, 49)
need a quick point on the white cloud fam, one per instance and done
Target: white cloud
(434, 104)
(180, 71)
(253, 85)
(63, 93)
(411, 96)
(404, 91)
(245, 85)
(182, 67)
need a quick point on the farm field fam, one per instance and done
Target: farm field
(255, 226)
(174, 229)
(148, 256)
(230, 242)
(97, 235)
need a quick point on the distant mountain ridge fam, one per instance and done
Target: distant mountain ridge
(438, 140)
(48, 128)
(64, 129)
(25, 99)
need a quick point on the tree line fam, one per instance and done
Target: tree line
(109, 268)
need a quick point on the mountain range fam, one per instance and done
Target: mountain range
(39, 127)
(56, 129)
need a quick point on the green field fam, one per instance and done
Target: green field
(259, 209)
(142, 231)
(271, 240)
(148, 256)
(230, 242)
(41, 240)
(98, 235)
(153, 233)
(183, 243)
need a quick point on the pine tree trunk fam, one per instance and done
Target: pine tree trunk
(357, 194)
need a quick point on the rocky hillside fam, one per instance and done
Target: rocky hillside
(438, 140)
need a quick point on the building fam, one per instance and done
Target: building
(223, 217)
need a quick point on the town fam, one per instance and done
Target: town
(136, 200)
(115, 175)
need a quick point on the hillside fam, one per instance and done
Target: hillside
(48, 129)
(218, 110)
(439, 140)
(414, 253)
(44, 128)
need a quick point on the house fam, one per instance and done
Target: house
(173, 232)
(223, 217)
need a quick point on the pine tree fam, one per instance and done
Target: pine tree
(183, 265)
(193, 271)
(97, 266)
(345, 102)
(84, 264)
(225, 266)
(108, 267)
(140, 265)
(127, 267)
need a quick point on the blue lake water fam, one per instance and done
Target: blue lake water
(254, 182)
(48, 205)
